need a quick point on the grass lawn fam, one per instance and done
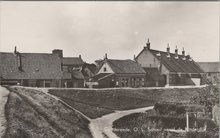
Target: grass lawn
(33, 114)
(97, 102)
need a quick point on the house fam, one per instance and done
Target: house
(30, 69)
(71, 68)
(119, 73)
(176, 69)
(212, 71)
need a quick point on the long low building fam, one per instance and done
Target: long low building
(36, 70)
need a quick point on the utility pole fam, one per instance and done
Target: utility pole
(187, 121)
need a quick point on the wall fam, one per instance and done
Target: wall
(134, 80)
(147, 59)
(107, 82)
(73, 83)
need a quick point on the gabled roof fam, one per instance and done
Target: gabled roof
(72, 61)
(124, 66)
(210, 66)
(176, 65)
(34, 66)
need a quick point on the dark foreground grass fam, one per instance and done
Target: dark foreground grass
(32, 114)
(97, 102)
(138, 125)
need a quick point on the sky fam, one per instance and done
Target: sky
(120, 29)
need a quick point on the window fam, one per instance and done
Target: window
(105, 69)
(154, 59)
(122, 82)
(142, 82)
(126, 82)
(134, 82)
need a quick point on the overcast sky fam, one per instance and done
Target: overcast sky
(120, 29)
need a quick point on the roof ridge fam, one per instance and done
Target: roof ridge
(27, 53)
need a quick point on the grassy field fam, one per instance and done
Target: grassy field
(33, 114)
(97, 102)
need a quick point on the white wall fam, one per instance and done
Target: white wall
(108, 69)
(146, 59)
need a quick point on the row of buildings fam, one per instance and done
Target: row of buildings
(148, 69)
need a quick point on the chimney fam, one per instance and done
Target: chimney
(188, 57)
(80, 57)
(148, 43)
(134, 58)
(15, 50)
(106, 57)
(183, 52)
(176, 51)
(168, 48)
(59, 52)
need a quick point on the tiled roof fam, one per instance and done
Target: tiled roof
(125, 66)
(34, 65)
(72, 61)
(176, 65)
(210, 66)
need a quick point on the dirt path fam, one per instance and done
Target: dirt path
(3, 99)
(103, 125)
(58, 99)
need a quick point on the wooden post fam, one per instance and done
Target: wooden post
(187, 121)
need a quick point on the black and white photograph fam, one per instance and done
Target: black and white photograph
(109, 69)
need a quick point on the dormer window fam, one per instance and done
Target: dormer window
(176, 57)
(105, 69)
